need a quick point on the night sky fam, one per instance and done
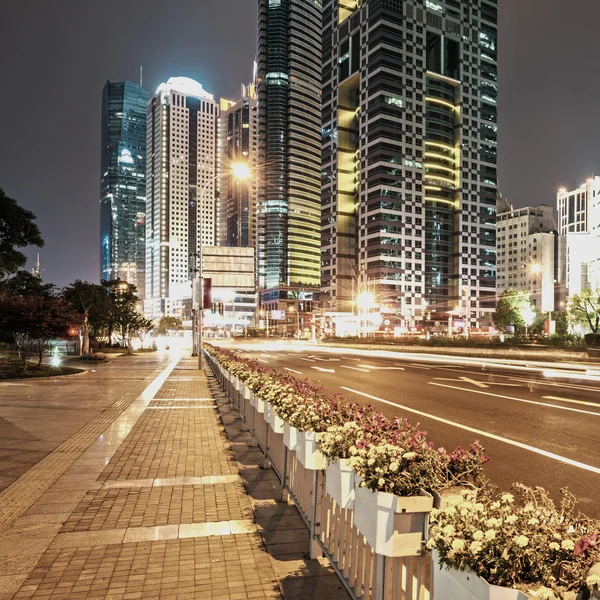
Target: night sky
(57, 55)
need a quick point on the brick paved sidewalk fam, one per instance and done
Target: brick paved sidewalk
(161, 505)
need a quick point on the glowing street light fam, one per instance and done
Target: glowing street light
(536, 268)
(241, 171)
(365, 300)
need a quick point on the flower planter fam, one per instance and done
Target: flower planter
(453, 496)
(268, 412)
(392, 525)
(339, 483)
(248, 394)
(259, 405)
(450, 584)
(276, 422)
(290, 437)
(307, 451)
(236, 383)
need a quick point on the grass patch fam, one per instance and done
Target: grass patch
(12, 369)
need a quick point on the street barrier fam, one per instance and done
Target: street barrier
(365, 574)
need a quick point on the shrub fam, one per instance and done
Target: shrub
(592, 340)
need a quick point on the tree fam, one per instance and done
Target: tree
(17, 230)
(34, 321)
(167, 324)
(122, 303)
(23, 283)
(90, 300)
(511, 308)
(584, 309)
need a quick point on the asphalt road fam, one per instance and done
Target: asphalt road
(539, 425)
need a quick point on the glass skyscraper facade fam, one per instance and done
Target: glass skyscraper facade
(289, 123)
(409, 147)
(123, 183)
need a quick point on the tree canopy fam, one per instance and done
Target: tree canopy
(512, 306)
(17, 230)
(584, 309)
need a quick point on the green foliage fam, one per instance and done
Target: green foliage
(584, 309)
(17, 230)
(511, 307)
(167, 324)
(592, 340)
(23, 283)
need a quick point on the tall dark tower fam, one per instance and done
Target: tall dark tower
(289, 153)
(409, 156)
(123, 183)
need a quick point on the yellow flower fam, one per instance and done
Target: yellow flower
(409, 455)
(528, 508)
(393, 466)
(512, 519)
(490, 535)
(458, 544)
(521, 541)
(475, 548)
(553, 546)
(508, 498)
(371, 462)
(448, 530)
(533, 521)
(478, 535)
(567, 545)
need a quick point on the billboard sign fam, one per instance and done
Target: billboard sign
(278, 315)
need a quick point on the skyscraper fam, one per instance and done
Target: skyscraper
(123, 182)
(182, 123)
(409, 155)
(238, 144)
(289, 124)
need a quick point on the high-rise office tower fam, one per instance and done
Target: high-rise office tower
(238, 145)
(182, 123)
(409, 156)
(123, 183)
(289, 125)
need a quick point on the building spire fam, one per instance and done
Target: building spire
(37, 270)
(141, 76)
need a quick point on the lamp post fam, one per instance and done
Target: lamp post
(294, 310)
(240, 171)
(364, 301)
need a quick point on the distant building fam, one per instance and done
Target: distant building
(182, 122)
(289, 154)
(232, 271)
(409, 152)
(579, 222)
(238, 144)
(531, 254)
(123, 183)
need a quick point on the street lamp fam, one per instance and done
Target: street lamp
(528, 316)
(293, 310)
(364, 301)
(241, 171)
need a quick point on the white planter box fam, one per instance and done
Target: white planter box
(450, 584)
(453, 497)
(339, 483)
(307, 451)
(277, 423)
(248, 394)
(252, 398)
(236, 383)
(268, 412)
(392, 525)
(290, 437)
(259, 405)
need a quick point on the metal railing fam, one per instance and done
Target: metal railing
(333, 534)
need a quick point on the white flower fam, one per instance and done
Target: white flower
(371, 462)
(458, 544)
(545, 593)
(508, 498)
(381, 482)
(512, 519)
(521, 541)
(490, 535)
(478, 535)
(495, 505)
(475, 548)
(493, 522)
(448, 530)
(533, 521)
(567, 545)
(409, 455)
(553, 546)
(528, 508)
(393, 466)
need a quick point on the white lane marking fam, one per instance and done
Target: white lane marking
(382, 368)
(567, 375)
(307, 359)
(419, 366)
(480, 384)
(325, 359)
(356, 369)
(284, 355)
(293, 370)
(492, 436)
(263, 361)
(559, 399)
(324, 370)
(267, 355)
(577, 410)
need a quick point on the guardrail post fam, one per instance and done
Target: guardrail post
(284, 491)
(315, 547)
(267, 462)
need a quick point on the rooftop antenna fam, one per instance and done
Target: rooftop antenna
(141, 76)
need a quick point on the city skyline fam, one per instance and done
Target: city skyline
(68, 197)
